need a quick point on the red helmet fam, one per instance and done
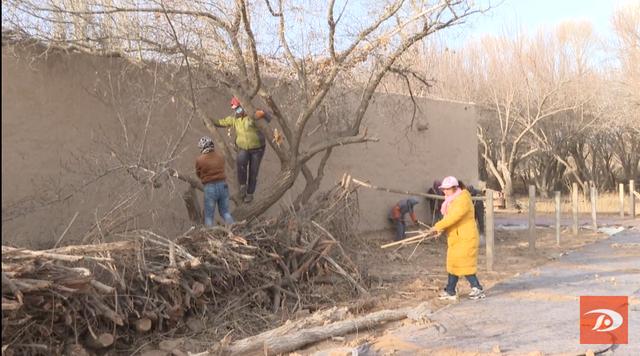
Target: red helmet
(235, 102)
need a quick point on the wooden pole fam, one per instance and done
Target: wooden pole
(574, 203)
(594, 198)
(557, 196)
(621, 190)
(532, 218)
(406, 241)
(489, 228)
(632, 199)
(400, 191)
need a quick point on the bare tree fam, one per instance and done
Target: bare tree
(523, 87)
(624, 91)
(233, 44)
(626, 23)
(556, 108)
(533, 95)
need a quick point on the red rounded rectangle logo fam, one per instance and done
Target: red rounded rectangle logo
(604, 320)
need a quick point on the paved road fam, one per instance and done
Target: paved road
(548, 220)
(534, 312)
(539, 310)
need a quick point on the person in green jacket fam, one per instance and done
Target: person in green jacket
(251, 145)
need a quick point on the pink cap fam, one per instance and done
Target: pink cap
(448, 182)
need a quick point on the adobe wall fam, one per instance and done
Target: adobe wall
(52, 119)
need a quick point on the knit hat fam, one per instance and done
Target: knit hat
(205, 142)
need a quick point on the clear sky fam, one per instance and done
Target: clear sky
(532, 15)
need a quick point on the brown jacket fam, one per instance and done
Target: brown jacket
(210, 167)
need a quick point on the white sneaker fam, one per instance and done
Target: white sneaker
(446, 296)
(476, 293)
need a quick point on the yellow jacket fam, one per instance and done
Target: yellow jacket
(248, 135)
(462, 236)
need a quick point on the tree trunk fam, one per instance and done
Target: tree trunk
(507, 190)
(101, 341)
(283, 182)
(193, 207)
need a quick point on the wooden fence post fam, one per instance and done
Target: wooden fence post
(621, 190)
(532, 218)
(489, 228)
(574, 201)
(594, 201)
(632, 199)
(557, 197)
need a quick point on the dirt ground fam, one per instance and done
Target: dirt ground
(411, 275)
(408, 276)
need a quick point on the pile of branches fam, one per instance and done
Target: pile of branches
(78, 299)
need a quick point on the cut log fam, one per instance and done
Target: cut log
(101, 341)
(102, 288)
(275, 342)
(75, 350)
(150, 315)
(102, 309)
(28, 254)
(32, 285)
(143, 325)
(8, 305)
(7, 283)
(95, 248)
(257, 342)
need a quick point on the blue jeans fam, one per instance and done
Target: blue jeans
(248, 165)
(216, 193)
(453, 281)
(400, 228)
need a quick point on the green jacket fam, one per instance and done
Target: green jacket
(248, 135)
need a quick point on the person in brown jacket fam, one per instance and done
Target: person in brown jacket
(210, 170)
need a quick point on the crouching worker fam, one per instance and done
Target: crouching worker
(210, 170)
(462, 238)
(397, 214)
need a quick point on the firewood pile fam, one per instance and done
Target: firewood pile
(86, 298)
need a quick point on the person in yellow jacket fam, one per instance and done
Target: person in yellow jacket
(459, 224)
(251, 146)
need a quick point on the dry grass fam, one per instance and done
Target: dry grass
(605, 203)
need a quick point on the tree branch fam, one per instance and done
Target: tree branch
(254, 52)
(336, 141)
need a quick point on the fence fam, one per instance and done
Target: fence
(577, 206)
(489, 197)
